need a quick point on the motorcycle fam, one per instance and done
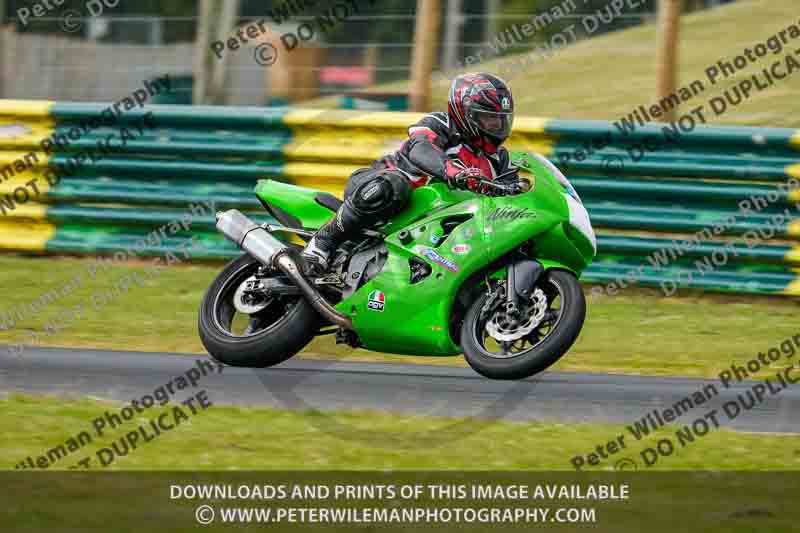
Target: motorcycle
(493, 276)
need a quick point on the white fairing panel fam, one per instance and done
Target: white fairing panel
(579, 218)
(560, 177)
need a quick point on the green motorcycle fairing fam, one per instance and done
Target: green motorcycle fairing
(297, 201)
(389, 313)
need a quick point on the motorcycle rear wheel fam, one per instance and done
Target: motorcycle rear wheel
(497, 360)
(263, 339)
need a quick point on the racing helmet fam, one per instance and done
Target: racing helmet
(482, 109)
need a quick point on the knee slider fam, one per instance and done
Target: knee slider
(401, 190)
(375, 200)
(373, 196)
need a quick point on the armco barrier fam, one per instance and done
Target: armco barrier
(645, 204)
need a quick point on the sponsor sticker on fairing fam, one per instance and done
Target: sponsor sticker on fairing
(461, 249)
(434, 256)
(376, 301)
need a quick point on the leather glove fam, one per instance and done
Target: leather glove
(461, 177)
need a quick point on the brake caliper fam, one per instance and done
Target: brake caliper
(508, 325)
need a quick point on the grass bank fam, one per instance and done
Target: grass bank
(609, 76)
(637, 332)
(229, 438)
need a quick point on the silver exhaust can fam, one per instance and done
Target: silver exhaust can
(249, 236)
(272, 253)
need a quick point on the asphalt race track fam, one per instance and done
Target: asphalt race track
(417, 389)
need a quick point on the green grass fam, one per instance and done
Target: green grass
(228, 438)
(636, 332)
(608, 76)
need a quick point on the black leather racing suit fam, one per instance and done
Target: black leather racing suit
(375, 194)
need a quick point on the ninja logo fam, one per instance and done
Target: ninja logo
(510, 214)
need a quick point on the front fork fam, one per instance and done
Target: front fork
(520, 280)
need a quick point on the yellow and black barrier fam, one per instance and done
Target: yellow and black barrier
(714, 208)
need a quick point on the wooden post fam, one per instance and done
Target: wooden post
(201, 52)
(426, 34)
(370, 62)
(490, 26)
(453, 23)
(669, 14)
(3, 48)
(225, 28)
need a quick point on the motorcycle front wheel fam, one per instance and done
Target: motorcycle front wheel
(499, 344)
(282, 326)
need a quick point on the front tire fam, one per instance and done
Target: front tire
(497, 360)
(264, 339)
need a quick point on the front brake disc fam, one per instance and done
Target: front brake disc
(500, 328)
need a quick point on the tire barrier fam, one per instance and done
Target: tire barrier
(713, 209)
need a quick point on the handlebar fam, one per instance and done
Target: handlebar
(485, 182)
(500, 189)
(487, 185)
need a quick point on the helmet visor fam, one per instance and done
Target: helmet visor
(493, 123)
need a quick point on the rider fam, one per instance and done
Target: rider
(457, 147)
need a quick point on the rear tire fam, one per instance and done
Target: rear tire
(542, 355)
(287, 328)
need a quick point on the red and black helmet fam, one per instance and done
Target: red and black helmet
(482, 108)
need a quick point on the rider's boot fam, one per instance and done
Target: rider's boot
(374, 197)
(319, 251)
(317, 255)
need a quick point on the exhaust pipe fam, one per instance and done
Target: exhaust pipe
(272, 253)
(249, 236)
